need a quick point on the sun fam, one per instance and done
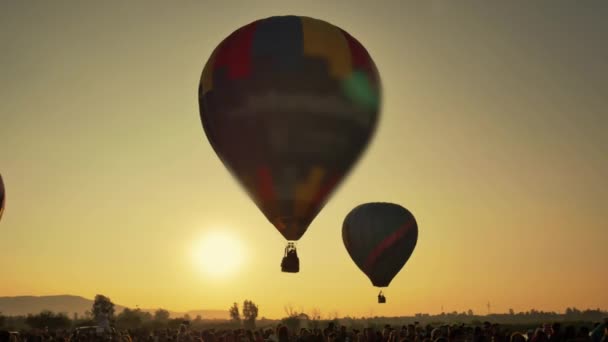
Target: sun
(219, 254)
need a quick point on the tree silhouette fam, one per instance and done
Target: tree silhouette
(315, 317)
(235, 315)
(294, 317)
(291, 311)
(103, 308)
(132, 319)
(48, 319)
(250, 313)
(161, 315)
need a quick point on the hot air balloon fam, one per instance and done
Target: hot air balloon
(380, 238)
(289, 104)
(2, 197)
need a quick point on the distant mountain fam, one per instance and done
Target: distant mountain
(23, 305)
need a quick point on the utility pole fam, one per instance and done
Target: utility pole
(488, 307)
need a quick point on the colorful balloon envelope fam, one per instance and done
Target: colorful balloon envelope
(380, 238)
(2, 197)
(289, 104)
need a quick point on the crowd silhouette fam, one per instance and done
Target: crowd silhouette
(101, 323)
(486, 332)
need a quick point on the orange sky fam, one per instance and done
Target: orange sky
(493, 134)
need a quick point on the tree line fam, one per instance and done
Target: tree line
(127, 319)
(103, 309)
(246, 316)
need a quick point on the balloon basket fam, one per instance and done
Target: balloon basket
(290, 263)
(381, 298)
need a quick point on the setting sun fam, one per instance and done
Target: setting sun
(218, 254)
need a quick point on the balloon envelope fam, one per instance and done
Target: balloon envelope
(289, 104)
(380, 238)
(2, 197)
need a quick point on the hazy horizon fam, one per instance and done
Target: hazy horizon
(492, 133)
(215, 311)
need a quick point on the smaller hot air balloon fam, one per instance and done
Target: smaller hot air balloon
(380, 238)
(2, 197)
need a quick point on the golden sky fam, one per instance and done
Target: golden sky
(493, 134)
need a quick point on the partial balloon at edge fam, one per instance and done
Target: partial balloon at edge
(2, 197)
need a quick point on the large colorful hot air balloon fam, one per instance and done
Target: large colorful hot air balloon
(289, 103)
(2, 197)
(380, 238)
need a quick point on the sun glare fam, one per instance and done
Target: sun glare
(219, 254)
